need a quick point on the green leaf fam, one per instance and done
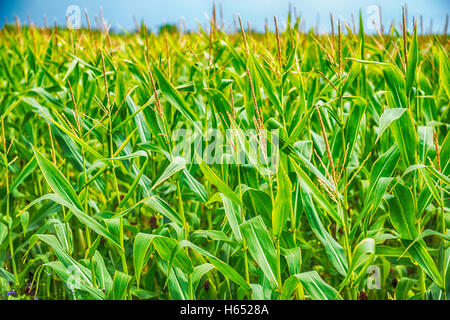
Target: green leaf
(161, 206)
(282, 209)
(45, 114)
(420, 254)
(66, 196)
(294, 259)
(401, 210)
(3, 232)
(221, 266)
(259, 202)
(261, 248)
(444, 70)
(120, 285)
(334, 250)
(174, 97)
(361, 257)
(404, 132)
(164, 246)
(312, 283)
(64, 234)
(403, 288)
(199, 272)
(103, 277)
(316, 193)
(214, 179)
(56, 180)
(445, 155)
(194, 185)
(396, 85)
(413, 57)
(353, 124)
(267, 84)
(447, 270)
(371, 203)
(142, 243)
(175, 165)
(388, 116)
(427, 233)
(67, 276)
(83, 217)
(7, 275)
(26, 171)
(69, 269)
(233, 213)
(134, 184)
(383, 167)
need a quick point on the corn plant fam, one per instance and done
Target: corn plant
(98, 201)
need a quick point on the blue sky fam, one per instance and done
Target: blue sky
(119, 13)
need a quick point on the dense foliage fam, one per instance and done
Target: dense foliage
(97, 204)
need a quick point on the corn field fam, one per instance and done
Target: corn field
(99, 201)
